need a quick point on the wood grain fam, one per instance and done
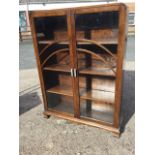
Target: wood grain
(96, 54)
(120, 56)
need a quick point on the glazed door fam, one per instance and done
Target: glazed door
(96, 31)
(54, 58)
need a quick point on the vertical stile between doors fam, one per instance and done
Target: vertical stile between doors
(73, 57)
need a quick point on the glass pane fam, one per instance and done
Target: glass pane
(60, 103)
(53, 44)
(97, 39)
(98, 111)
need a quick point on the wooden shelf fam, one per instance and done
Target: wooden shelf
(101, 96)
(51, 41)
(95, 71)
(104, 41)
(102, 36)
(101, 41)
(105, 116)
(62, 90)
(59, 68)
(66, 108)
(84, 71)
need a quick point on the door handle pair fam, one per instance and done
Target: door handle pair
(73, 72)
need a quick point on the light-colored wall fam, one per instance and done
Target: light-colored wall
(131, 7)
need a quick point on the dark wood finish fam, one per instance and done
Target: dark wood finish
(84, 71)
(97, 95)
(98, 44)
(80, 66)
(46, 13)
(73, 54)
(59, 68)
(34, 37)
(50, 43)
(54, 53)
(94, 71)
(64, 90)
(82, 120)
(120, 56)
(96, 55)
(101, 96)
(98, 8)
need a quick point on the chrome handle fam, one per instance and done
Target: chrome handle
(75, 72)
(72, 72)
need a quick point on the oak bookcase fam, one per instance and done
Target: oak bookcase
(79, 53)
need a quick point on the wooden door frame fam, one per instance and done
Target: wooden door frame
(36, 49)
(46, 13)
(122, 37)
(74, 61)
(122, 27)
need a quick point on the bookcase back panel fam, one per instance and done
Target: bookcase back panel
(97, 83)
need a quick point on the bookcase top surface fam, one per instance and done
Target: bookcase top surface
(78, 6)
